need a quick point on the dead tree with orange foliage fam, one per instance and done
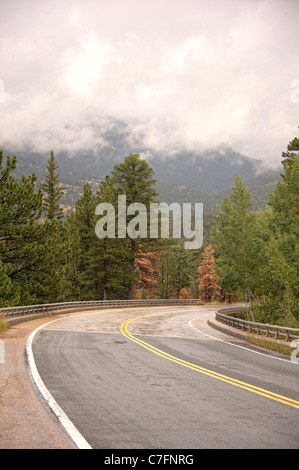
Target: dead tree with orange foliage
(147, 267)
(208, 288)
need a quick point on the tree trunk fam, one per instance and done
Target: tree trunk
(105, 289)
(250, 297)
(105, 293)
(131, 271)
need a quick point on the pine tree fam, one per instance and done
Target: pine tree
(23, 239)
(285, 198)
(89, 269)
(284, 226)
(208, 288)
(290, 155)
(134, 179)
(174, 271)
(164, 283)
(237, 243)
(112, 253)
(6, 289)
(276, 277)
(71, 283)
(53, 190)
(53, 211)
(181, 274)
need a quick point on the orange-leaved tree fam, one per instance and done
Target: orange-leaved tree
(208, 288)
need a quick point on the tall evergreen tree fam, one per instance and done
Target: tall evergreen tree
(52, 189)
(164, 282)
(89, 269)
(7, 297)
(53, 211)
(181, 274)
(276, 276)
(71, 283)
(285, 198)
(134, 179)
(112, 252)
(23, 239)
(290, 155)
(237, 244)
(284, 225)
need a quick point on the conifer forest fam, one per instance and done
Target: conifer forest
(247, 256)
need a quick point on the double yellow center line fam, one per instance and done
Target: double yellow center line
(202, 370)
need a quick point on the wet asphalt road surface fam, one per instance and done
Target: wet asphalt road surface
(123, 394)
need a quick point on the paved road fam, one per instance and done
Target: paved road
(161, 378)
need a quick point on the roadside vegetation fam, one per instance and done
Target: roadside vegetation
(3, 323)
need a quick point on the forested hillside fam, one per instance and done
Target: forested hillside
(48, 254)
(260, 185)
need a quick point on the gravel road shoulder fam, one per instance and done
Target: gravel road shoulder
(25, 423)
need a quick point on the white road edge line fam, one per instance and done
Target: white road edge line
(236, 345)
(70, 428)
(73, 432)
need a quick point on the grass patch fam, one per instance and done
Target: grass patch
(3, 323)
(273, 346)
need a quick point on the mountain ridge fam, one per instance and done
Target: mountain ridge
(212, 171)
(177, 180)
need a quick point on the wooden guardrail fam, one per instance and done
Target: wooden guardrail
(227, 316)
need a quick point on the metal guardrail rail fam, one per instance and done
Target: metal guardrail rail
(11, 312)
(226, 316)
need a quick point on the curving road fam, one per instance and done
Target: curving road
(161, 378)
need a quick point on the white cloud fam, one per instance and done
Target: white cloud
(180, 74)
(85, 67)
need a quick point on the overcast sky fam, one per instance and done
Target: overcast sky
(183, 74)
